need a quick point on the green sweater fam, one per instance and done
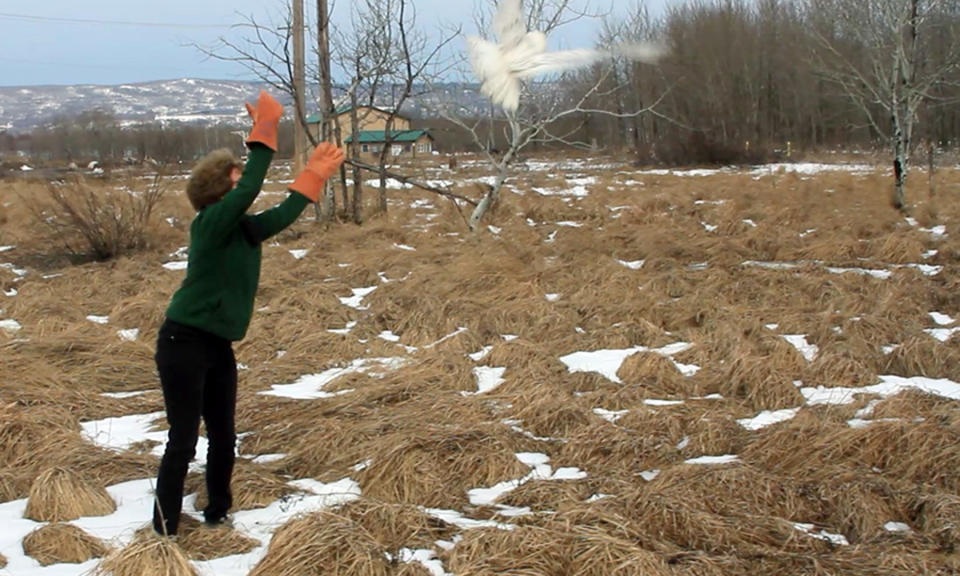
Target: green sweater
(223, 267)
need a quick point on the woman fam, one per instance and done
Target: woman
(213, 307)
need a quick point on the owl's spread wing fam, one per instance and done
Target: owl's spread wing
(509, 23)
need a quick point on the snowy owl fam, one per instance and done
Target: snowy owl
(523, 54)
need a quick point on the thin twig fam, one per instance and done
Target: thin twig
(408, 180)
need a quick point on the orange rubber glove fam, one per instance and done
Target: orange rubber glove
(266, 117)
(322, 164)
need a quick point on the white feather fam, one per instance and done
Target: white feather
(509, 23)
(523, 54)
(643, 52)
(496, 81)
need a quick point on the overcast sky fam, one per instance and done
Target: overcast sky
(125, 41)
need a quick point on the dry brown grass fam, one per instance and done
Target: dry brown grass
(14, 483)
(735, 489)
(625, 450)
(916, 404)
(425, 444)
(715, 432)
(395, 526)
(653, 370)
(148, 555)
(549, 495)
(923, 356)
(858, 504)
(59, 495)
(23, 432)
(253, 487)
(919, 452)
(679, 521)
(323, 543)
(839, 369)
(755, 380)
(435, 468)
(548, 412)
(62, 543)
(938, 515)
(552, 549)
(200, 542)
(50, 431)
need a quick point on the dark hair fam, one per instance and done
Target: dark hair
(210, 178)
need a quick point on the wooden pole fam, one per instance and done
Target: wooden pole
(299, 85)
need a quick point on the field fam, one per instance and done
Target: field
(626, 371)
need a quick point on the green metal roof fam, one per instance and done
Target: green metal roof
(315, 118)
(380, 136)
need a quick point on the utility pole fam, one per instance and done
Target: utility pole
(299, 86)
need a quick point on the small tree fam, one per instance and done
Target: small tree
(543, 111)
(879, 52)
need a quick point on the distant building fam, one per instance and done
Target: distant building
(407, 143)
(372, 122)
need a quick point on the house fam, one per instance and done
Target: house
(372, 122)
(406, 143)
(368, 117)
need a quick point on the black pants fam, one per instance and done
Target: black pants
(198, 373)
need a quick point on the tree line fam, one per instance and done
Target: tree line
(742, 81)
(97, 135)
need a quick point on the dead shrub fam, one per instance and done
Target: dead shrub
(101, 222)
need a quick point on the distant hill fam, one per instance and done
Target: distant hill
(23, 108)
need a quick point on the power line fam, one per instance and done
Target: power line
(31, 18)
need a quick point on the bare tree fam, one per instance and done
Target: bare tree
(418, 62)
(543, 114)
(385, 51)
(878, 52)
(266, 51)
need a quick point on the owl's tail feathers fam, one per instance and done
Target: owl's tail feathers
(649, 52)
